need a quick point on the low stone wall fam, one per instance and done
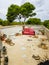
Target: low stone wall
(35, 27)
(41, 27)
(46, 31)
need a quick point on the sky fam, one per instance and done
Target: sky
(42, 7)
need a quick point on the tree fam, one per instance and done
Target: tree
(34, 21)
(13, 12)
(26, 10)
(46, 23)
(1, 21)
(48, 26)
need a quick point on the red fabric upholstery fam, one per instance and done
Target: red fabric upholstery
(28, 31)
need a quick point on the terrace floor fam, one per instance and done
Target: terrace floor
(25, 47)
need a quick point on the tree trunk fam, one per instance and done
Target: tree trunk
(19, 18)
(24, 20)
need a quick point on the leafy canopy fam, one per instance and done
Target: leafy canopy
(12, 13)
(15, 11)
(27, 9)
(34, 21)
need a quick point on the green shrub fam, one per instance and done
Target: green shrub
(17, 23)
(48, 26)
(34, 21)
(5, 23)
(13, 23)
(1, 21)
(46, 23)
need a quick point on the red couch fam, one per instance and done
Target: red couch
(28, 31)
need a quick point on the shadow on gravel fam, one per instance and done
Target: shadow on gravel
(44, 63)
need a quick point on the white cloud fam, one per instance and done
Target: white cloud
(3, 11)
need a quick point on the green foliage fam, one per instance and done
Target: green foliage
(48, 26)
(12, 13)
(1, 21)
(16, 23)
(34, 21)
(24, 11)
(5, 23)
(46, 23)
(13, 23)
(27, 9)
(28, 6)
